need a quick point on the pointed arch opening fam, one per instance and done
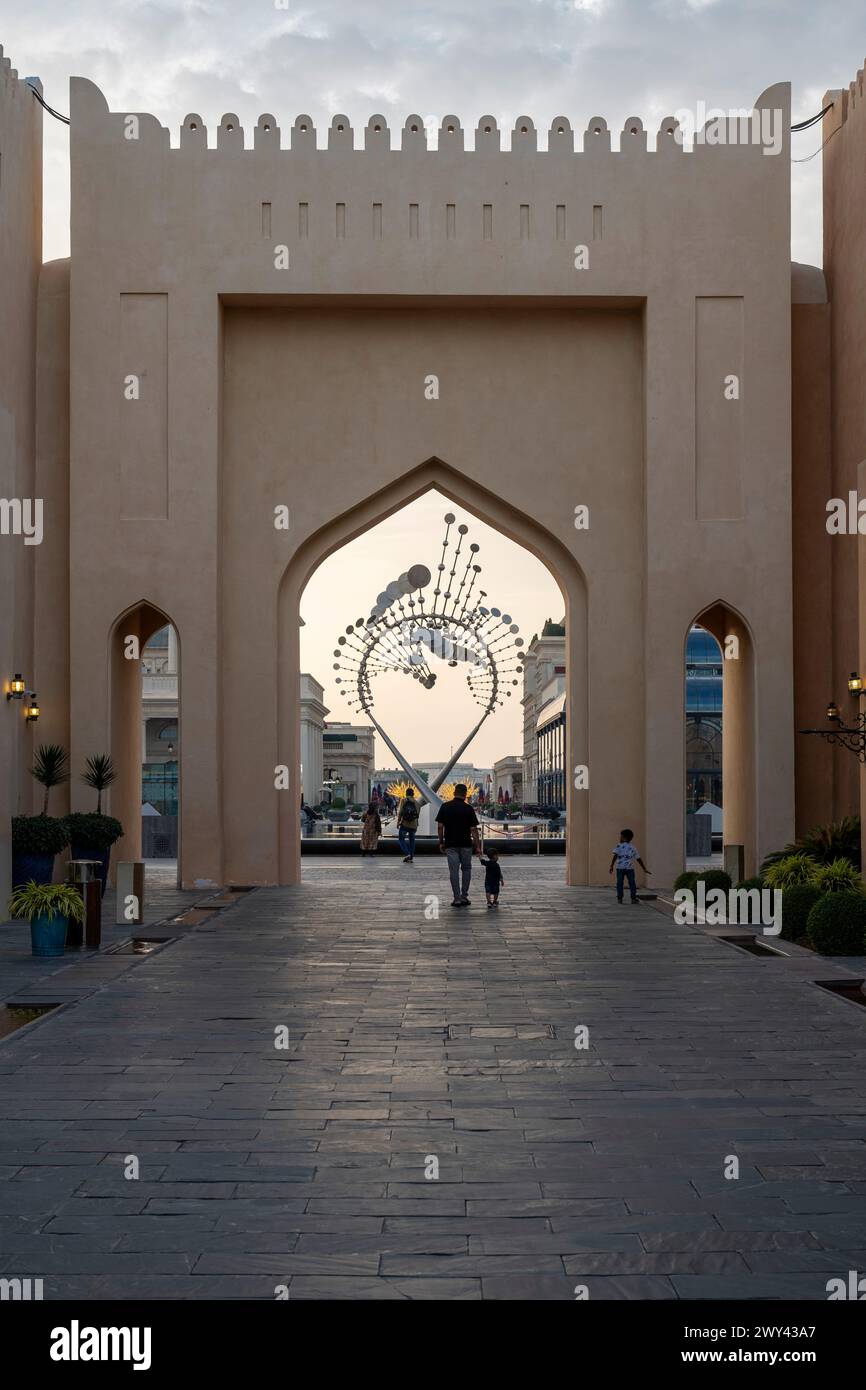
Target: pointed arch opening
(145, 710)
(433, 476)
(720, 742)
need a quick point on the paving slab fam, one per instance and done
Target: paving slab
(328, 1090)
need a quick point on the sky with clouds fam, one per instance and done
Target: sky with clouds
(541, 58)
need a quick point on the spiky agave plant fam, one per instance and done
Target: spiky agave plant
(838, 840)
(50, 768)
(99, 774)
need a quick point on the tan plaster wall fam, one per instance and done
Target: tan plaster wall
(844, 135)
(51, 638)
(20, 259)
(188, 224)
(811, 471)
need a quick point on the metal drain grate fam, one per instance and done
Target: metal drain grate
(491, 1032)
(15, 1015)
(139, 945)
(845, 989)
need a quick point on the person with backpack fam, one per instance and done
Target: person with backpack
(407, 825)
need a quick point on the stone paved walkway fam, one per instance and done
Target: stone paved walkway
(449, 1039)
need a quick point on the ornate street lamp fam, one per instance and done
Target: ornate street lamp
(852, 737)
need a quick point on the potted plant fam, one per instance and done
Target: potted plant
(50, 908)
(91, 836)
(36, 840)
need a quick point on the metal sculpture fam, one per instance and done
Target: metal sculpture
(406, 632)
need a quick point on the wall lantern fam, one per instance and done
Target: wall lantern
(853, 736)
(17, 687)
(32, 709)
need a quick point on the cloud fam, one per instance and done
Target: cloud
(542, 58)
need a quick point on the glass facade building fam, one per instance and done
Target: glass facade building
(703, 719)
(703, 701)
(551, 758)
(159, 786)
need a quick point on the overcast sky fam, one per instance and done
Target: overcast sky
(540, 58)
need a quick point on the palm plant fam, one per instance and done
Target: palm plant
(838, 840)
(50, 768)
(790, 870)
(99, 774)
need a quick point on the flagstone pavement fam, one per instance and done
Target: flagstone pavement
(431, 1129)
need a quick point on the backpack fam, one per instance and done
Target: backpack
(408, 812)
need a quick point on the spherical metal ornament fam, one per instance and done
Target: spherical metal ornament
(419, 576)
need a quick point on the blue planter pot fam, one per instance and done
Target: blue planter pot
(103, 856)
(48, 938)
(36, 867)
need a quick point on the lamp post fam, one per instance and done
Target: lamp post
(850, 736)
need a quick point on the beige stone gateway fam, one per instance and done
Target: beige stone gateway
(240, 331)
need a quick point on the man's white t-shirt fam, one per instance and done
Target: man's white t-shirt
(626, 855)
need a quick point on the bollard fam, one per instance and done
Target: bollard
(84, 874)
(129, 894)
(735, 862)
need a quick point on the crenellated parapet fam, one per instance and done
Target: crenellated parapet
(13, 86)
(845, 100)
(415, 137)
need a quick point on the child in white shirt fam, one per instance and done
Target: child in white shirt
(624, 858)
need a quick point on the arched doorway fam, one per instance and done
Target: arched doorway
(145, 745)
(517, 526)
(720, 733)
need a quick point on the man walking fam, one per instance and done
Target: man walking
(458, 839)
(407, 825)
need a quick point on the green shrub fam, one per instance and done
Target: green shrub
(793, 868)
(797, 903)
(838, 877)
(840, 840)
(686, 880)
(39, 834)
(836, 925)
(756, 882)
(93, 831)
(715, 878)
(338, 804)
